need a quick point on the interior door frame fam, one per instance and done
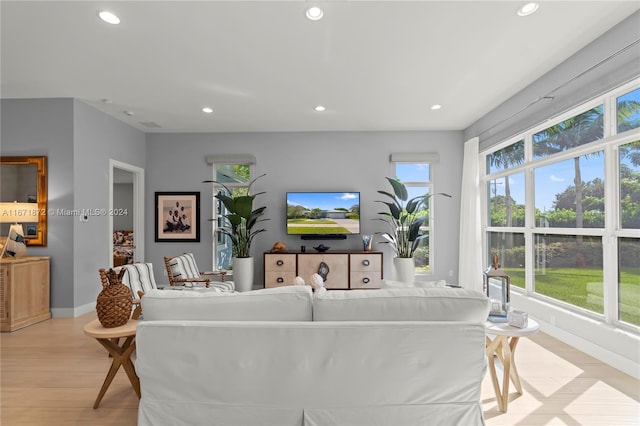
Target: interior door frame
(138, 208)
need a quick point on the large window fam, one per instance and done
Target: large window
(417, 179)
(563, 208)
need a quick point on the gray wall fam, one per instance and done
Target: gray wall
(45, 127)
(78, 140)
(98, 138)
(123, 199)
(327, 161)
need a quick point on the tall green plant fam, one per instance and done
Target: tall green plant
(241, 218)
(404, 218)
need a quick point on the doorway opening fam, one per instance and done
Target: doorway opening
(126, 203)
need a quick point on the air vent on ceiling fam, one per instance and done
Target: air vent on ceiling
(150, 124)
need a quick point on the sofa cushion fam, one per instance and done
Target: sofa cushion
(421, 284)
(292, 303)
(401, 304)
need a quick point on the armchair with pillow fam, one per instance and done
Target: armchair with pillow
(183, 270)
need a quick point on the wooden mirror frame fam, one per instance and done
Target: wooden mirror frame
(41, 197)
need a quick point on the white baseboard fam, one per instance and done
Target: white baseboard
(73, 312)
(616, 361)
(609, 344)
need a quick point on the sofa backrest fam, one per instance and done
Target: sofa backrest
(270, 373)
(401, 304)
(293, 303)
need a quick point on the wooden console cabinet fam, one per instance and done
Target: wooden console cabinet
(24, 292)
(347, 269)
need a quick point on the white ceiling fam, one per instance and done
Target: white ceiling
(262, 66)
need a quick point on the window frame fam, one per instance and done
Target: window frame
(429, 185)
(611, 231)
(216, 241)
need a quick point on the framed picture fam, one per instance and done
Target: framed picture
(178, 217)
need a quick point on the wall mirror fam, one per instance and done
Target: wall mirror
(24, 180)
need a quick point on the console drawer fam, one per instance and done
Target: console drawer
(279, 278)
(338, 264)
(366, 262)
(280, 262)
(360, 279)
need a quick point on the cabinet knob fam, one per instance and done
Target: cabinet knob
(366, 262)
(280, 263)
(365, 280)
(280, 280)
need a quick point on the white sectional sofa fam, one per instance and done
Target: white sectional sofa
(286, 356)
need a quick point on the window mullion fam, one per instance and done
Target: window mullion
(529, 223)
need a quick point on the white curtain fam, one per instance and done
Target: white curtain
(470, 255)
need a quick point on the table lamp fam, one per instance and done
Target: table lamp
(15, 214)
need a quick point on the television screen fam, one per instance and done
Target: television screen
(323, 213)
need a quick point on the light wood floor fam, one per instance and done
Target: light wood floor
(51, 373)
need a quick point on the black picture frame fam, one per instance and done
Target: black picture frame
(177, 229)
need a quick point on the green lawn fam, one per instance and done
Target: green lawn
(299, 227)
(584, 288)
(317, 230)
(311, 221)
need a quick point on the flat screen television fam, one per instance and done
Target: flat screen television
(319, 215)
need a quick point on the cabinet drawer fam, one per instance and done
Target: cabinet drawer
(338, 264)
(280, 262)
(365, 279)
(278, 278)
(366, 262)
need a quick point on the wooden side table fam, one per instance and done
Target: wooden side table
(503, 346)
(110, 338)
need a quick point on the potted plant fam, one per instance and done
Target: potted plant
(405, 219)
(241, 219)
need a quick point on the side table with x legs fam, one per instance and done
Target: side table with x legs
(120, 343)
(503, 347)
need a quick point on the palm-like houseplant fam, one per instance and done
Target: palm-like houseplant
(405, 219)
(241, 219)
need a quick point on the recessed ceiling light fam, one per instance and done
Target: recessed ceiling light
(207, 110)
(319, 108)
(314, 13)
(109, 17)
(528, 9)
(129, 113)
(436, 106)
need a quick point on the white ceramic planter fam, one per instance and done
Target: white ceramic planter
(405, 269)
(243, 273)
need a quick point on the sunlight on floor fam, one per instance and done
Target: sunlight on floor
(562, 386)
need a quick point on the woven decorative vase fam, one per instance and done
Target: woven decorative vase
(114, 302)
